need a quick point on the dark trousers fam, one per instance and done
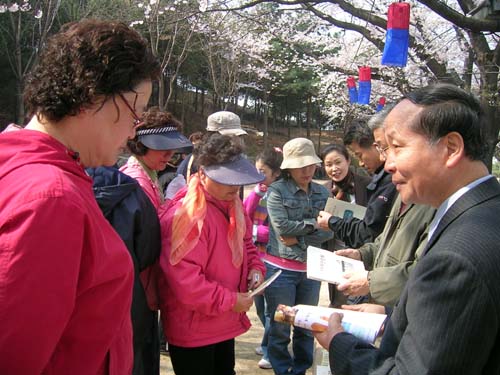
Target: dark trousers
(215, 359)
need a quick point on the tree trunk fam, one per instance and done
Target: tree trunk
(318, 121)
(308, 117)
(183, 103)
(195, 102)
(288, 126)
(176, 95)
(243, 110)
(266, 112)
(19, 73)
(161, 93)
(202, 102)
(274, 117)
(468, 66)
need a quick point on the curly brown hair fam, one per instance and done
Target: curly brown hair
(87, 62)
(216, 149)
(152, 118)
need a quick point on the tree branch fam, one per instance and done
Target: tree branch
(469, 23)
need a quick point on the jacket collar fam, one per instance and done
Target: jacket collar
(294, 188)
(481, 193)
(377, 177)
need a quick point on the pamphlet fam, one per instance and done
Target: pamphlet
(265, 284)
(363, 325)
(344, 210)
(324, 265)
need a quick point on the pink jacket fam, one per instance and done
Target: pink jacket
(135, 170)
(256, 209)
(65, 275)
(198, 293)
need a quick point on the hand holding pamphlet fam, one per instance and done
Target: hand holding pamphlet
(325, 265)
(265, 284)
(363, 325)
(344, 210)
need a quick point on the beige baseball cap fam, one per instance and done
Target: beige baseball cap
(225, 122)
(298, 153)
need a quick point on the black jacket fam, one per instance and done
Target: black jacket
(381, 195)
(133, 216)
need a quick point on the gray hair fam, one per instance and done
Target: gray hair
(377, 120)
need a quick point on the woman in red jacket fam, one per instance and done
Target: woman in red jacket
(65, 274)
(209, 261)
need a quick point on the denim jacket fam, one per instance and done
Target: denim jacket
(293, 212)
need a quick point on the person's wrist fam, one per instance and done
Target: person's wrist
(333, 221)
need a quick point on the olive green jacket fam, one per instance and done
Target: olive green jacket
(393, 254)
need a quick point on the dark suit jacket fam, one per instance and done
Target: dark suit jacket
(448, 317)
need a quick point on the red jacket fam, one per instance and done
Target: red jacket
(65, 275)
(198, 294)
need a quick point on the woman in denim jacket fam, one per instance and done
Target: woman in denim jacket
(293, 204)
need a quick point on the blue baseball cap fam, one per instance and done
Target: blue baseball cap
(165, 138)
(236, 172)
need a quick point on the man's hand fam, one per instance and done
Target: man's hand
(255, 278)
(243, 302)
(323, 218)
(356, 284)
(365, 307)
(369, 308)
(289, 241)
(334, 327)
(349, 253)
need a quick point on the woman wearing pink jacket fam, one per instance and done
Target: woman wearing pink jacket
(156, 140)
(209, 261)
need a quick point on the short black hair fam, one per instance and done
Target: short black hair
(448, 108)
(272, 158)
(359, 132)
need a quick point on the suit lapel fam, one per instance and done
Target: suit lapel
(483, 192)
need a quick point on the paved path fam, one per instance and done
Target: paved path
(246, 359)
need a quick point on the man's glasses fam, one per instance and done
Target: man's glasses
(137, 120)
(382, 151)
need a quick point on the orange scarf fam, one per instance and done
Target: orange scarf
(188, 223)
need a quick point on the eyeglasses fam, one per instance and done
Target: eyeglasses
(382, 151)
(137, 120)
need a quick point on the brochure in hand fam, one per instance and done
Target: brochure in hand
(363, 325)
(325, 265)
(265, 284)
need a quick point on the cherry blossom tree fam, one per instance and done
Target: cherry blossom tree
(24, 27)
(445, 45)
(169, 27)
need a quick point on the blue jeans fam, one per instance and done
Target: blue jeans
(263, 314)
(290, 288)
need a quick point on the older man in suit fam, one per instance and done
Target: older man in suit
(448, 317)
